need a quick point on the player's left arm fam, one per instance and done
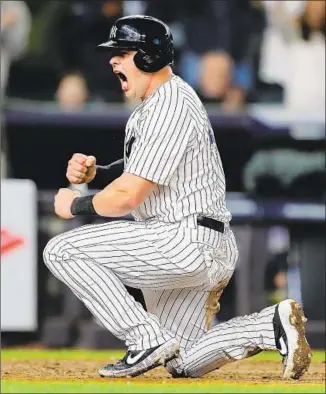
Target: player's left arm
(119, 198)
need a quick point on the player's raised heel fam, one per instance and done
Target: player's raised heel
(138, 362)
(289, 326)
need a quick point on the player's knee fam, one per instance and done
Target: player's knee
(53, 251)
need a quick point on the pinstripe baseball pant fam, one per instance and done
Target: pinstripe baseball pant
(179, 266)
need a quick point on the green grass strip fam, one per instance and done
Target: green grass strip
(130, 387)
(64, 354)
(67, 354)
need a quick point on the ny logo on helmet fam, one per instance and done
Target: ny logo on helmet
(113, 32)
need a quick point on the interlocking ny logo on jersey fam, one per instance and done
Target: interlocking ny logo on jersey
(9, 241)
(129, 146)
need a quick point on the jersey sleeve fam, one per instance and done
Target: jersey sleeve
(163, 138)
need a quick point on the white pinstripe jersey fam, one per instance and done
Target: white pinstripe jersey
(169, 140)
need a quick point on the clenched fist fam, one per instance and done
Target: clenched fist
(62, 202)
(81, 169)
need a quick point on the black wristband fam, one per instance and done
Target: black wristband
(83, 206)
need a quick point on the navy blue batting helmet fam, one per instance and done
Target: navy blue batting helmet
(150, 37)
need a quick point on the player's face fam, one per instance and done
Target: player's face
(133, 81)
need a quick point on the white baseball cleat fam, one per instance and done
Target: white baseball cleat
(289, 328)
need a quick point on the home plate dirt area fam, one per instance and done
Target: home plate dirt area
(249, 371)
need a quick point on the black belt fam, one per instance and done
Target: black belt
(211, 223)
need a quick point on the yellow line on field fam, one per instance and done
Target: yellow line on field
(165, 382)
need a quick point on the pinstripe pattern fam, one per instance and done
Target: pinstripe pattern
(182, 268)
(174, 146)
(236, 339)
(95, 260)
(182, 311)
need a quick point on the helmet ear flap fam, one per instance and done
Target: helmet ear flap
(145, 62)
(140, 61)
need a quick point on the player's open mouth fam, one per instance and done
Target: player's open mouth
(123, 80)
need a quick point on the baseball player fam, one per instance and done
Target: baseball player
(180, 250)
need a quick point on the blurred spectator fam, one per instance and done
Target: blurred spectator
(293, 52)
(242, 49)
(135, 7)
(81, 28)
(72, 93)
(15, 28)
(35, 75)
(293, 56)
(213, 41)
(215, 49)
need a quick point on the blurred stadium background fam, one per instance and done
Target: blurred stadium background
(259, 67)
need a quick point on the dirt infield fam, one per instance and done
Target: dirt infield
(246, 371)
